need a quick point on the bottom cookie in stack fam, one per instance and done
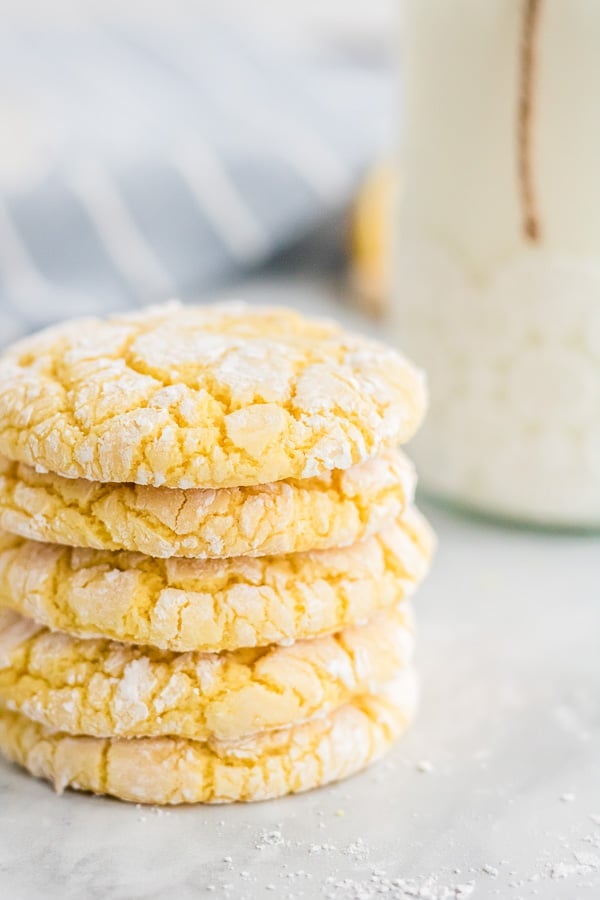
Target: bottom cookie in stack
(174, 770)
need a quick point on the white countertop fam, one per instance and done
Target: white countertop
(508, 736)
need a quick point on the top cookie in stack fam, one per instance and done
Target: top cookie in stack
(214, 397)
(214, 435)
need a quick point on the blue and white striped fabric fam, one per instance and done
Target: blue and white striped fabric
(141, 163)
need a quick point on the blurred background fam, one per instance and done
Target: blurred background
(154, 150)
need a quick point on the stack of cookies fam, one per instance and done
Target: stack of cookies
(208, 541)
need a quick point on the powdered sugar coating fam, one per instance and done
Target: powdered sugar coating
(214, 396)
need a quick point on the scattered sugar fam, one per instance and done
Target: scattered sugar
(321, 848)
(564, 870)
(358, 850)
(586, 858)
(585, 862)
(369, 882)
(300, 873)
(273, 838)
(396, 889)
(593, 839)
(490, 870)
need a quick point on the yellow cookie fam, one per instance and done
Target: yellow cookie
(172, 770)
(212, 605)
(104, 689)
(213, 396)
(331, 510)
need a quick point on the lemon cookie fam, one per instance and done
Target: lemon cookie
(330, 510)
(212, 605)
(213, 396)
(104, 689)
(172, 770)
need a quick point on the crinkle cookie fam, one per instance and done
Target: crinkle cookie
(211, 396)
(173, 770)
(213, 605)
(104, 689)
(331, 510)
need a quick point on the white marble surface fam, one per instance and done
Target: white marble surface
(510, 723)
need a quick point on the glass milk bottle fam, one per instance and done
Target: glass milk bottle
(497, 252)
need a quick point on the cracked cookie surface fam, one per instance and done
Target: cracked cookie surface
(212, 605)
(104, 689)
(172, 771)
(211, 396)
(331, 510)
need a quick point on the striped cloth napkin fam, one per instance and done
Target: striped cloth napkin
(140, 162)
